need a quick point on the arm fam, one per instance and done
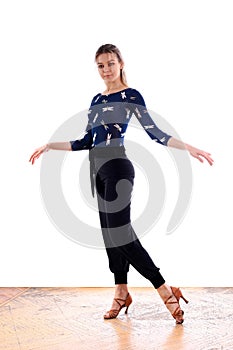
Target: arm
(80, 144)
(138, 108)
(61, 146)
(140, 111)
(194, 152)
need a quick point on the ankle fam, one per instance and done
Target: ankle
(121, 289)
(164, 291)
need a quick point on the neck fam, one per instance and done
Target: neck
(114, 87)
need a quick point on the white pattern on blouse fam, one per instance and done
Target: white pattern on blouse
(106, 127)
(95, 117)
(149, 127)
(123, 95)
(108, 139)
(118, 127)
(108, 108)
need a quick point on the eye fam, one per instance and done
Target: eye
(100, 66)
(111, 64)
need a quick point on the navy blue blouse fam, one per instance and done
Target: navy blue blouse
(108, 119)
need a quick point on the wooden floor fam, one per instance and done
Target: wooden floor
(72, 319)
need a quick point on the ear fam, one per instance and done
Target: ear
(122, 65)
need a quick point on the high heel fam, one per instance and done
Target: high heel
(178, 294)
(178, 313)
(113, 313)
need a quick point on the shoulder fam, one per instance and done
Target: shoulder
(135, 96)
(95, 99)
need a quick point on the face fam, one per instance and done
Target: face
(109, 67)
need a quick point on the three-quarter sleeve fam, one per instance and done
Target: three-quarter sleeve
(84, 142)
(138, 108)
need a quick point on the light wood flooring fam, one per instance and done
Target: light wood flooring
(72, 319)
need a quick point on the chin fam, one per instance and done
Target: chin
(111, 80)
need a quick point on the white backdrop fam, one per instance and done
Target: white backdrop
(178, 54)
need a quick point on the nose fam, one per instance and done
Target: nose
(106, 69)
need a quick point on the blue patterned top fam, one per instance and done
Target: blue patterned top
(108, 119)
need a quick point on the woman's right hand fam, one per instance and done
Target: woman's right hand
(38, 152)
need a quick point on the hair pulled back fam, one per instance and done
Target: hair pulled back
(110, 48)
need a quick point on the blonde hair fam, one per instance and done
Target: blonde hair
(109, 48)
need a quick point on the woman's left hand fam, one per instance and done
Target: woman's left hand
(199, 154)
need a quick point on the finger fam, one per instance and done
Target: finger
(34, 159)
(37, 154)
(198, 157)
(32, 156)
(209, 159)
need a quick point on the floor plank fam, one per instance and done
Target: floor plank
(72, 318)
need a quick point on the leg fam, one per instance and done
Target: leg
(171, 297)
(117, 230)
(114, 207)
(124, 248)
(139, 258)
(118, 263)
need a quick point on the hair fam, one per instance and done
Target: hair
(109, 48)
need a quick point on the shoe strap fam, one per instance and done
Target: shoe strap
(171, 302)
(177, 312)
(119, 299)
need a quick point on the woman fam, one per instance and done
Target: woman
(108, 119)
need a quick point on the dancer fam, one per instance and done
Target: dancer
(108, 118)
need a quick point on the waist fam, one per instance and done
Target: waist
(106, 152)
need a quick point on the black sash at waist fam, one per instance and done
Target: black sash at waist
(103, 152)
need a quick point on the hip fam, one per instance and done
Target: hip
(111, 162)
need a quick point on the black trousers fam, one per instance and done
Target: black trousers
(114, 184)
